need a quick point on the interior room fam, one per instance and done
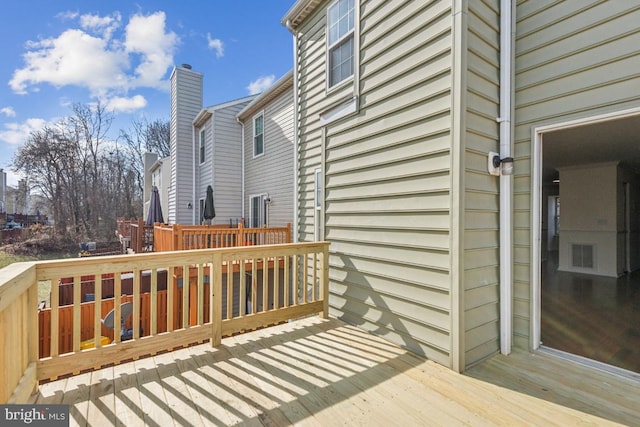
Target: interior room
(590, 242)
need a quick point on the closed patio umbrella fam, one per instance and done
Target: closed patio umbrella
(209, 210)
(155, 208)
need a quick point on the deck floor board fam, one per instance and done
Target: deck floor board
(316, 372)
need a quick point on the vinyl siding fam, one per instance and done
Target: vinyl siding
(228, 164)
(574, 59)
(186, 103)
(481, 200)
(204, 170)
(222, 168)
(272, 172)
(387, 172)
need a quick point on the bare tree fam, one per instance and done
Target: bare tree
(88, 179)
(143, 137)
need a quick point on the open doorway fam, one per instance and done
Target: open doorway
(589, 257)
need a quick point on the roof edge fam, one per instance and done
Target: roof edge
(271, 93)
(300, 10)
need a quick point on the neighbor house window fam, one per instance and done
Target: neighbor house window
(202, 138)
(317, 217)
(258, 211)
(340, 19)
(258, 135)
(156, 178)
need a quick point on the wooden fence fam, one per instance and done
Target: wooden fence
(185, 237)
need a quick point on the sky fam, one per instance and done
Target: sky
(121, 54)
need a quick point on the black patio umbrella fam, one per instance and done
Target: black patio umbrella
(155, 209)
(209, 211)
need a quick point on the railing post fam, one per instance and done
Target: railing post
(215, 309)
(33, 335)
(288, 235)
(324, 280)
(140, 233)
(176, 237)
(240, 241)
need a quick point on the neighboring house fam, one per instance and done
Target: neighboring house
(252, 178)
(206, 149)
(157, 172)
(218, 160)
(401, 108)
(268, 156)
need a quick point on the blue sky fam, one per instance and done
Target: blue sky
(121, 53)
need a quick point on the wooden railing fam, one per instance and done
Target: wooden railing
(18, 327)
(185, 237)
(219, 291)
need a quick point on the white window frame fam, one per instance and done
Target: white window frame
(350, 34)
(203, 136)
(262, 219)
(156, 178)
(261, 114)
(318, 191)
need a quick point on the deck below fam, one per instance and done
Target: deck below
(324, 372)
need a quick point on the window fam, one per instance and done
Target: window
(202, 139)
(317, 217)
(258, 211)
(340, 20)
(156, 178)
(258, 135)
(201, 212)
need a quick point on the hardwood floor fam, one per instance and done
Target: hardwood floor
(323, 372)
(592, 316)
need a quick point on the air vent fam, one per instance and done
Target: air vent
(582, 256)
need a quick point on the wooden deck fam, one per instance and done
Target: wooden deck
(324, 372)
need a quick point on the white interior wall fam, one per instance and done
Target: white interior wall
(589, 198)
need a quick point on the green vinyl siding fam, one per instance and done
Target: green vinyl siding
(480, 276)
(387, 197)
(574, 59)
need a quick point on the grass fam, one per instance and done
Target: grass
(44, 287)
(6, 259)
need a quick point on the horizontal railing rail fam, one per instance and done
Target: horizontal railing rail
(192, 296)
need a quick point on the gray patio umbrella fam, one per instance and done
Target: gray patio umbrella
(209, 210)
(155, 209)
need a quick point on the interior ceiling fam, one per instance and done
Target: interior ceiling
(614, 140)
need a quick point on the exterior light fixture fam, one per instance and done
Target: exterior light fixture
(497, 166)
(189, 205)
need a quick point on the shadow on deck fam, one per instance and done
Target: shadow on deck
(324, 372)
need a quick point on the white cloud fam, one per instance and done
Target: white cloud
(261, 84)
(126, 105)
(217, 45)
(146, 36)
(8, 111)
(104, 25)
(17, 133)
(74, 58)
(68, 15)
(99, 56)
